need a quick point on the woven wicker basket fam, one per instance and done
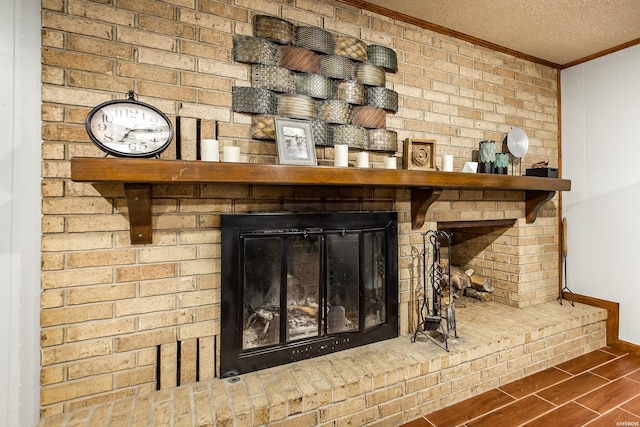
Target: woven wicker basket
(297, 106)
(314, 85)
(370, 75)
(382, 140)
(263, 126)
(254, 50)
(315, 39)
(273, 78)
(384, 98)
(334, 111)
(351, 91)
(383, 57)
(253, 100)
(320, 132)
(274, 29)
(337, 67)
(353, 136)
(351, 47)
(370, 117)
(299, 59)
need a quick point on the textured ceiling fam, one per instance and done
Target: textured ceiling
(557, 31)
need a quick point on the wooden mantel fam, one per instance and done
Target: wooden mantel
(138, 175)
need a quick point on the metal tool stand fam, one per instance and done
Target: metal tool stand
(433, 324)
(564, 263)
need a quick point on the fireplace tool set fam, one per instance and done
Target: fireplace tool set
(431, 315)
(564, 263)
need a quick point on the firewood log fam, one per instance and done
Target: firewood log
(483, 296)
(481, 283)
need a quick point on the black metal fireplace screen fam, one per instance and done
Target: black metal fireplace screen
(296, 286)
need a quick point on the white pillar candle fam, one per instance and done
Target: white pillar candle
(362, 159)
(389, 162)
(231, 154)
(210, 150)
(447, 163)
(341, 155)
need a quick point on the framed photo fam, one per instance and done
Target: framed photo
(295, 142)
(419, 154)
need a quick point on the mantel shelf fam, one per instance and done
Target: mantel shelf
(137, 175)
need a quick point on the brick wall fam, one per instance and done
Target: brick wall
(116, 317)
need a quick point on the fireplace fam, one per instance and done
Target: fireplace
(297, 286)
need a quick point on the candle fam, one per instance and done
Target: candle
(390, 163)
(341, 155)
(362, 159)
(210, 150)
(231, 154)
(447, 163)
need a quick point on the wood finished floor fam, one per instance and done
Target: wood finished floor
(601, 388)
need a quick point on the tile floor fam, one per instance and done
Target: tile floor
(601, 388)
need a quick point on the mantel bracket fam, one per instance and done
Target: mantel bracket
(534, 201)
(138, 198)
(421, 201)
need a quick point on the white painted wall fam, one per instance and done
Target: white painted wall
(601, 156)
(20, 213)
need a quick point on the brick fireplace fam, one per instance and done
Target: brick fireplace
(120, 319)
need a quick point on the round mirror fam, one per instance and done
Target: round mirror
(517, 142)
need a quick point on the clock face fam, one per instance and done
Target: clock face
(129, 128)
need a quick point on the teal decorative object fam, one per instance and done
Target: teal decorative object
(487, 156)
(502, 163)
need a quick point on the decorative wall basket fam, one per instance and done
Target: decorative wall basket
(382, 140)
(353, 136)
(321, 132)
(334, 111)
(419, 154)
(351, 91)
(384, 98)
(369, 117)
(274, 29)
(272, 78)
(254, 50)
(383, 57)
(337, 67)
(351, 48)
(299, 59)
(253, 100)
(314, 85)
(316, 39)
(263, 126)
(370, 75)
(297, 106)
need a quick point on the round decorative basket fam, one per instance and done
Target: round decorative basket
(273, 78)
(353, 136)
(351, 47)
(263, 126)
(384, 98)
(370, 117)
(297, 106)
(382, 140)
(370, 75)
(254, 50)
(314, 85)
(351, 91)
(383, 57)
(253, 100)
(320, 131)
(337, 67)
(274, 29)
(299, 59)
(334, 111)
(315, 39)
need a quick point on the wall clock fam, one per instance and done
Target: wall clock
(129, 128)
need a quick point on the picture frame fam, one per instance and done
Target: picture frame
(419, 154)
(294, 139)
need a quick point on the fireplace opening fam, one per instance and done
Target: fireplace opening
(296, 286)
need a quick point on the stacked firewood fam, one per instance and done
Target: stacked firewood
(466, 282)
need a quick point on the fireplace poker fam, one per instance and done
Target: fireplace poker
(564, 263)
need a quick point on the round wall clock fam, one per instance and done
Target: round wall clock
(129, 128)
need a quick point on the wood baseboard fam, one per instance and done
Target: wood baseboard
(613, 321)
